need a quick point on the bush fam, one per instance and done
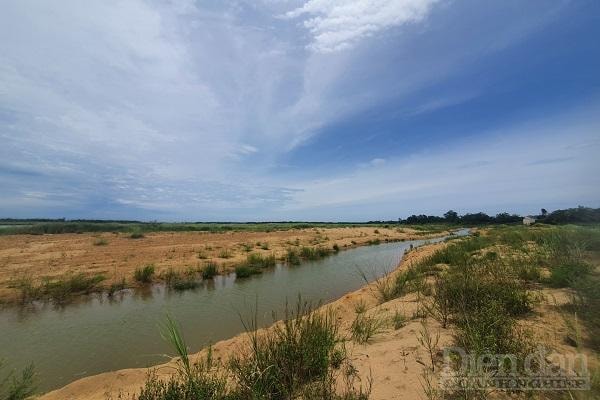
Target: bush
(100, 242)
(145, 274)
(136, 235)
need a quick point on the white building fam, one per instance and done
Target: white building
(528, 221)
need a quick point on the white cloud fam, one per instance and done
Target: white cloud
(338, 24)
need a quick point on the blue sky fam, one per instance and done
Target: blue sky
(297, 109)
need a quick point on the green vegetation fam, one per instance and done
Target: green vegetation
(483, 284)
(209, 271)
(58, 290)
(100, 242)
(17, 387)
(145, 274)
(313, 253)
(292, 257)
(137, 234)
(364, 327)
(225, 253)
(299, 358)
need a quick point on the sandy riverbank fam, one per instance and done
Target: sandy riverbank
(116, 256)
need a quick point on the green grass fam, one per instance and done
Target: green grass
(364, 327)
(314, 253)
(17, 386)
(243, 271)
(209, 271)
(136, 235)
(144, 274)
(299, 358)
(292, 257)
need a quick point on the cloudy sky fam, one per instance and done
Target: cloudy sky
(297, 109)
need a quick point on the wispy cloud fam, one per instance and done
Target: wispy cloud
(337, 25)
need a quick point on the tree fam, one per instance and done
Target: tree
(451, 216)
(544, 212)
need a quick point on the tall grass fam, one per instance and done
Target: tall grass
(144, 274)
(17, 386)
(299, 358)
(58, 289)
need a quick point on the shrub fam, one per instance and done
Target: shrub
(100, 242)
(335, 247)
(145, 274)
(136, 235)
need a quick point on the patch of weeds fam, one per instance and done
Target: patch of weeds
(115, 287)
(100, 242)
(257, 260)
(225, 253)
(136, 235)
(202, 255)
(17, 387)
(292, 257)
(564, 275)
(264, 246)
(243, 271)
(364, 327)
(360, 307)
(399, 320)
(335, 247)
(314, 253)
(61, 289)
(145, 274)
(280, 363)
(209, 271)
(247, 247)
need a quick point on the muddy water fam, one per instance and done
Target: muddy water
(99, 334)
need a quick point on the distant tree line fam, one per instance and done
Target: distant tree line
(569, 216)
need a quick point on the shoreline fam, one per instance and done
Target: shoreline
(129, 381)
(168, 251)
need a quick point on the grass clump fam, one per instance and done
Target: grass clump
(399, 320)
(298, 358)
(209, 271)
(257, 260)
(243, 271)
(566, 274)
(298, 351)
(364, 327)
(314, 253)
(136, 235)
(145, 274)
(292, 257)
(100, 242)
(225, 253)
(17, 387)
